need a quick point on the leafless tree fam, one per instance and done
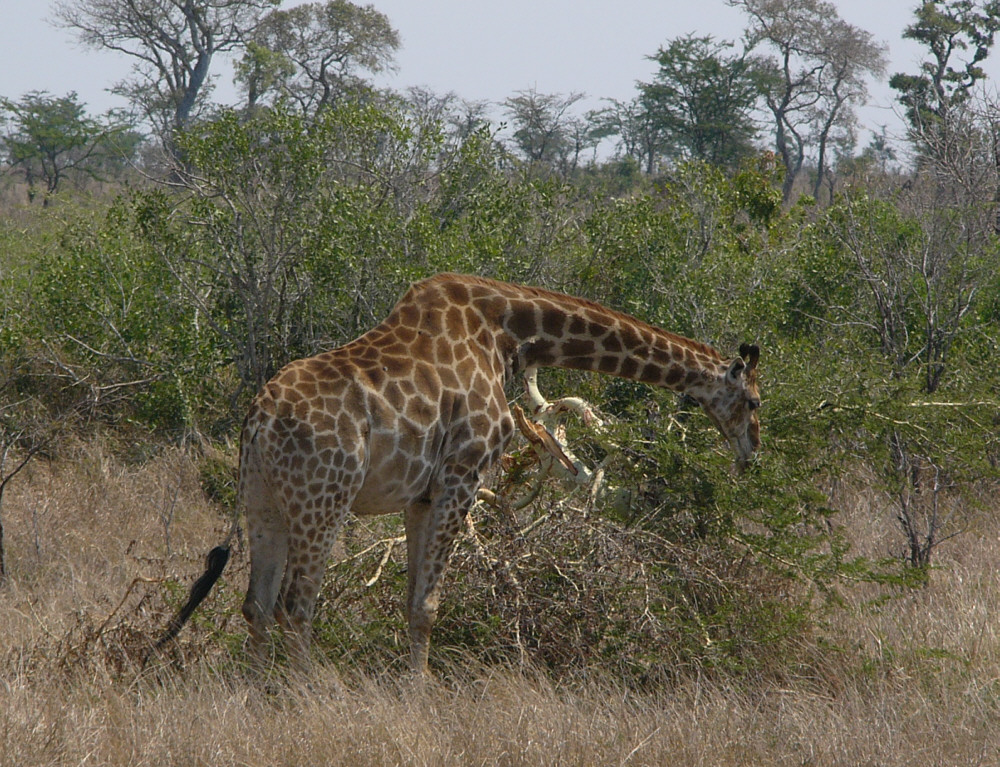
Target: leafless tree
(925, 501)
(817, 72)
(852, 55)
(172, 42)
(26, 431)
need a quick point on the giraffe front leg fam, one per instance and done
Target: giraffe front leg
(430, 535)
(417, 520)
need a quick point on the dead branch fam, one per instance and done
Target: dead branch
(542, 440)
(546, 434)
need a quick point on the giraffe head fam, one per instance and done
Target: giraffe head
(733, 406)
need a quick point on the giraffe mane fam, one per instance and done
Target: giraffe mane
(535, 292)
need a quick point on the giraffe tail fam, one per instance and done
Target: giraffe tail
(215, 563)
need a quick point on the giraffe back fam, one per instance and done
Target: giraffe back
(411, 406)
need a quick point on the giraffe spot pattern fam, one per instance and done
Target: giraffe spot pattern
(411, 414)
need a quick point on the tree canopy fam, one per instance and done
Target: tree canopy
(958, 36)
(701, 101)
(172, 43)
(815, 66)
(51, 138)
(312, 54)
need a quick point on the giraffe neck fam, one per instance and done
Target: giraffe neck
(531, 327)
(577, 334)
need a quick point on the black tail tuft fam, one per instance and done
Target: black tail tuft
(215, 562)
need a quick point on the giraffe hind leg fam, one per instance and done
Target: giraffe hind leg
(268, 555)
(304, 572)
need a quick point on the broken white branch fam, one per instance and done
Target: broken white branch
(546, 411)
(543, 441)
(390, 545)
(547, 437)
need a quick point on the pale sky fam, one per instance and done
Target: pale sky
(478, 50)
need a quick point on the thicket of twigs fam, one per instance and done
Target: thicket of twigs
(102, 550)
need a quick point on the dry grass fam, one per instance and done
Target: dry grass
(914, 680)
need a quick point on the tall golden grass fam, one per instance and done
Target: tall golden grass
(93, 545)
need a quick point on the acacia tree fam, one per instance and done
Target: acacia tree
(639, 134)
(312, 53)
(949, 30)
(544, 131)
(815, 50)
(701, 101)
(52, 137)
(956, 135)
(946, 127)
(173, 44)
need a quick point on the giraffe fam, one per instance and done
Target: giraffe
(410, 415)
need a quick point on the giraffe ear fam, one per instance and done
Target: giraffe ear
(736, 368)
(751, 353)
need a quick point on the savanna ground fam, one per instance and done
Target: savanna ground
(778, 617)
(96, 546)
(834, 605)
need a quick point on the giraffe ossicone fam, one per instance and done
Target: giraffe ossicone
(409, 416)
